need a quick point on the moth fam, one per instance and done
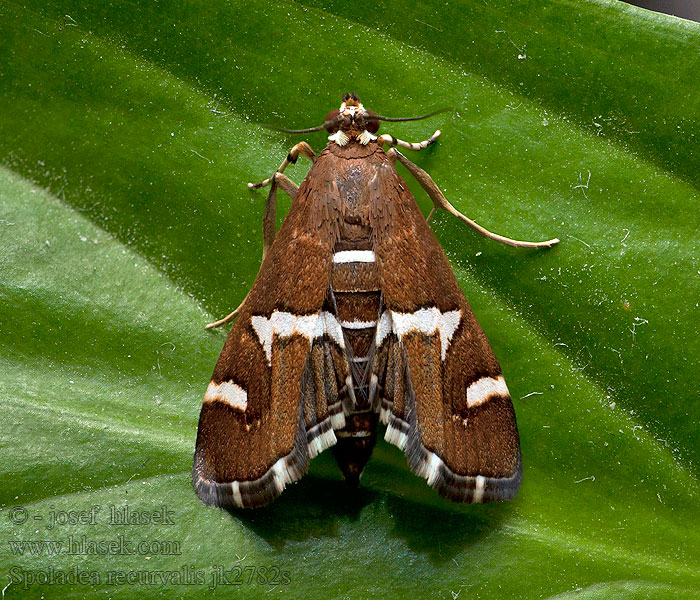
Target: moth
(355, 317)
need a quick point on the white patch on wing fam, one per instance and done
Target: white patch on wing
(384, 327)
(433, 469)
(331, 327)
(357, 324)
(321, 442)
(395, 436)
(285, 324)
(280, 475)
(350, 256)
(480, 391)
(230, 393)
(338, 420)
(425, 320)
(236, 489)
(479, 489)
(448, 326)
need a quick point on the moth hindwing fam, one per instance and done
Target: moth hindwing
(355, 317)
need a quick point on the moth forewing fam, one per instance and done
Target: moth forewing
(356, 316)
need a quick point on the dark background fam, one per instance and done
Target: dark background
(688, 9)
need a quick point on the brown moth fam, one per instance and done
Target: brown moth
(355, 317)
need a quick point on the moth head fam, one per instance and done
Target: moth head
(354, 121)
(351, 117)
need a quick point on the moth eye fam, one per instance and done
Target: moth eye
(332, 116)
(372, 126)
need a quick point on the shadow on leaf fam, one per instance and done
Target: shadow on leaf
(316, 507)
(312, 507)
(442, 533)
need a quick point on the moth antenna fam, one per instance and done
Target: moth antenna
(326, 125)
(396, 120)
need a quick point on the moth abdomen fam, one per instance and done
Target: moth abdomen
(356, 289)
(355, 444)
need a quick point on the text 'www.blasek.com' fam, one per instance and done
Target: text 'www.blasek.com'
(120, 545)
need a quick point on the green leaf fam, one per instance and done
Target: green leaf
(127, 135)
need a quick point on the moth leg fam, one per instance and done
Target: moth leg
(228, 318)
(301, 148)
(269, 231)
(392, 141)
(441, 202)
